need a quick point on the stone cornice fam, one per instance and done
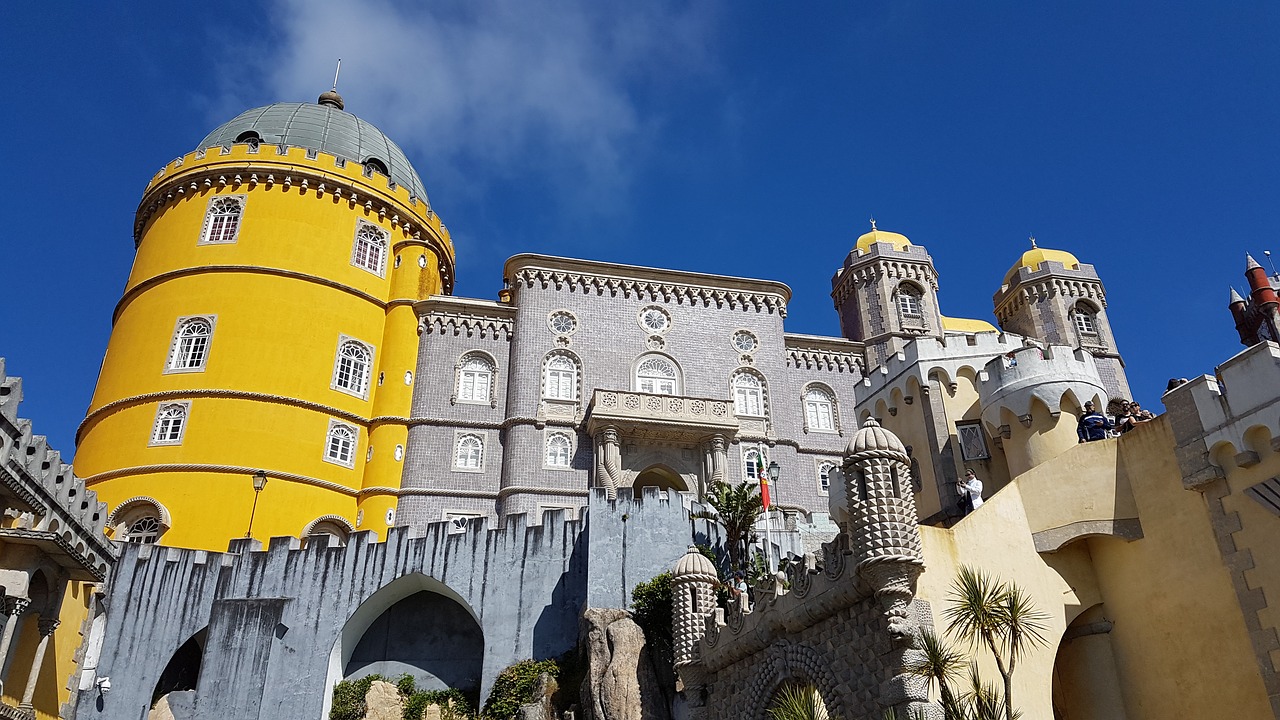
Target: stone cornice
(815, 352)
(589, 276)
(866, 273)
(1052, 278)
(221, 469)
(486, 319)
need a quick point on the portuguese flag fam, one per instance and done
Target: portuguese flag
(764, 480)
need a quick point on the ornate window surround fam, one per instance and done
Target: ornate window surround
(179, 410)
(577, 375)
(334, 525)
(177, 350)
(647, 311)
(831, 466)
(552, 436)
(744, 334)
(458, 368)
(750, 470)
(352, 433)
(678, 380)
(833, 401)
(563, 318)
(906, 317)
(123, 517)
(764, 391)
(369, 248)
(364, 379)
(222, 219)
(1085, 318)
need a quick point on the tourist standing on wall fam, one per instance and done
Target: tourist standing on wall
(970, 492)
(1093, 425)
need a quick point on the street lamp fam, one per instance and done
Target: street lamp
(259, 482)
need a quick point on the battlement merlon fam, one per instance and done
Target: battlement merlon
(63, 514)
(923, 355)
(1212, 409)
(881, 251)
(1084, 273)
(1013, 381)
(270, 165)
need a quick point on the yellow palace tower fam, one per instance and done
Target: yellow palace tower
(267, 329)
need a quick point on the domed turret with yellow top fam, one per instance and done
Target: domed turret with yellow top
(866, 240)
(1037, 256)
(267, 325)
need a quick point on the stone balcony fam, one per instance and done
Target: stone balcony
(661, 417)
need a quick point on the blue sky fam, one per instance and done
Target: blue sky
(746, 138)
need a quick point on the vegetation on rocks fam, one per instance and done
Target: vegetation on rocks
(514, 687)
(349, 696)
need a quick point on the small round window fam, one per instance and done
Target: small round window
(654, 319)
(562, 322)
(745, 341)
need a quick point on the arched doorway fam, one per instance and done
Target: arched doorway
(661, 477)
(1086, 681)
(183, 670)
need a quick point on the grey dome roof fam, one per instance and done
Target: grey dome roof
(324, 128)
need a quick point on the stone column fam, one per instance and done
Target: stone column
(47, 626)
(607, 460)
(12, 607)
(719, 457)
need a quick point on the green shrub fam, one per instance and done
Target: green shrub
(452, 700)
(514, 687)
(651, 602)
(348, 698)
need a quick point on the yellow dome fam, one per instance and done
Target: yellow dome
(1033, 258)
(967, 325)
(899, 242)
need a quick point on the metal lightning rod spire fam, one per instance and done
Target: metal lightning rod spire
(335, 75)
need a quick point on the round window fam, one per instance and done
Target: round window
(655, 319)
(745, 341)
(562, 322)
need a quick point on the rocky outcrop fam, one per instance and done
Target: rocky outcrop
(383, 702)
(620, 683)
(541, 708)
(177, 705)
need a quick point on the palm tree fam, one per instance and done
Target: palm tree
(799, 702)
(998, 615)
(942, 665)
(735, 508)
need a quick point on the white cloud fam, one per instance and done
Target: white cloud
(479, 91)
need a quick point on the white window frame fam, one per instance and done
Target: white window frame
(750, 470)
(655, 383)
(657, 310)
(149, 535)
(369, 248)
(177, 351)
(454, 516)
(832, 466)
(551, 437)
(335, 428)
(490, 374)
(570, 512)
(458, 439)
(1086, 320)
(562, 314)
(827, 399)
(218, 210)
(554, 380)
(183, 408)
(971, 428)
(743, 394)
(364, 379)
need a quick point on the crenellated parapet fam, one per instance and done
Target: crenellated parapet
(942, 358)
(1016, 381)
(813, 352)
(45, 504)
(1050, 279)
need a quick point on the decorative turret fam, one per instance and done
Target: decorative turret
(1257, 318)
(884, 534)
(693, 586)
(886, 293)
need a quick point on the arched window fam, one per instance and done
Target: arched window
(190, 347)
(353, 367)
(1086, 320)
(145, 530)
(560, 378)
(376, 165)
(751, 465)
(475, 379)
(330, 525)
(824, 476)
(222, 220)
(340, 444)
(748, 395)
(171, 422)
(909, 306)
(250, 138)
(559, 450)
(819, 410)
(656, 374)
(370, 249)
(469, 452)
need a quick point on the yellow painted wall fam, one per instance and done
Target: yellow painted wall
(59, 664)
(282, 295)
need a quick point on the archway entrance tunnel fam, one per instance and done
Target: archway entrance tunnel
(662, 477)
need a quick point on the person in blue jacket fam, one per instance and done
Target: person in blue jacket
(1093, 425)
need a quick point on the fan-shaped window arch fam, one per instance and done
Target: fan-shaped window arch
(657, 374)
(469, 452)
(353, 367)
(171, 423)
(752, 462)
(909, 301)
(560, 376)
(559, 449)
(222, 220)
(340, 444)
(376, 165)
(189, 349)
(140, 520)
(820, 409)
(825, 468)
(370, 248)
(748, 390)
(1086, 319)
(475, 381)
(334, 526)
